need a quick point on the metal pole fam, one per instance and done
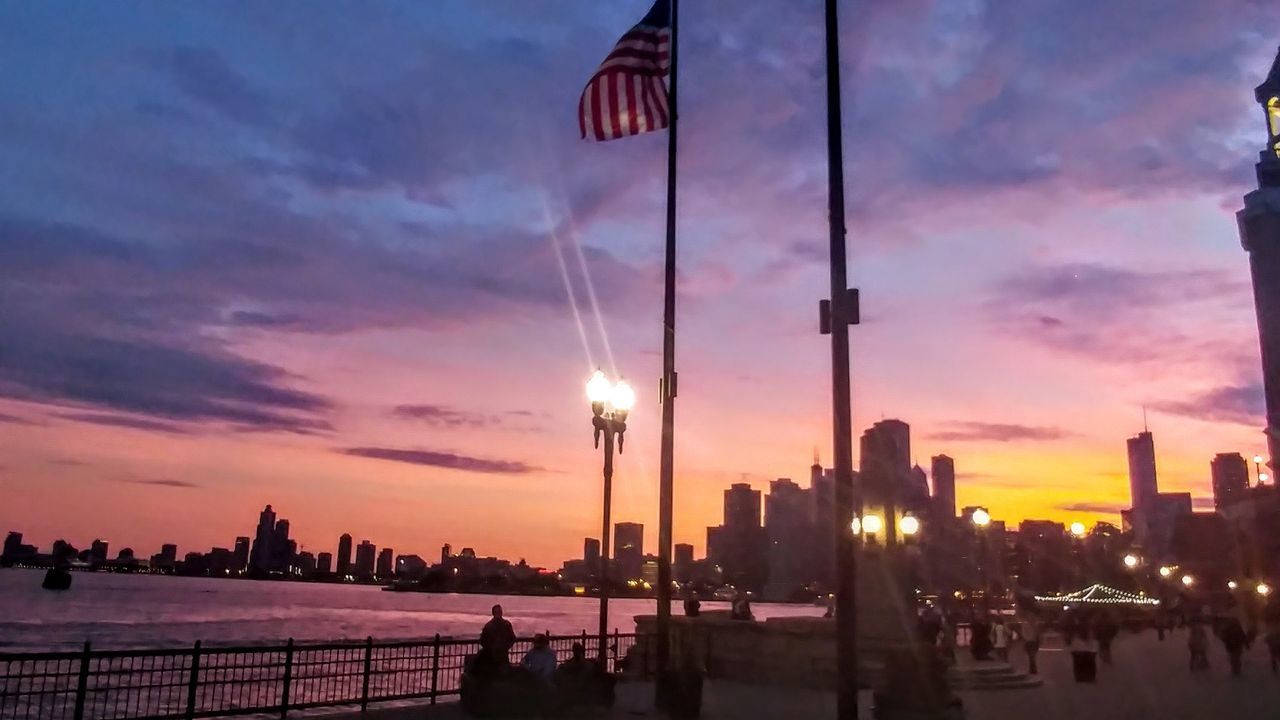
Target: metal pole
(842, 314)
(368, 670)
(193, 681)
(435, 668)
(605, 535)
(82, 682)
(667, 465)
(288, 678)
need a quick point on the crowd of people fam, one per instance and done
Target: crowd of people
(1089, 634)
(493, 685)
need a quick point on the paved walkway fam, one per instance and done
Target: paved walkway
(1148, 680)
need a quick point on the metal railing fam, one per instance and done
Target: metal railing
(206, 681)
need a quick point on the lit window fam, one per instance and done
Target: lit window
(1273, 122)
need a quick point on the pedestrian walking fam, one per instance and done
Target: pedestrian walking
(1106, 628)
(1198, 645)
(1273, 645)
(1233, 639)
(1030, 631)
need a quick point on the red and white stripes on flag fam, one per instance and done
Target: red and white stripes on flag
(626, 96)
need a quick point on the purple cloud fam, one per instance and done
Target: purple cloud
(125, 421)
(1114, 313)
(448, 460)
(453, 418)
(162, 482)
(974, 431)
(1102, 508)
(1241, 404)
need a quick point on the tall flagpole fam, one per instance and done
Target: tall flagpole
(843, 313)
(668, 387)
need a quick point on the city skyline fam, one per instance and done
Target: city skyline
(343, 552)
(318, 291)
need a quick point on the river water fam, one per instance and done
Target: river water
(142, 611)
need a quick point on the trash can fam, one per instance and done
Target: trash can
(1084, 665)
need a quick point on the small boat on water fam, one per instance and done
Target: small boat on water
(57, 579)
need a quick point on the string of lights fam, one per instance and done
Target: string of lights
(1099, 594)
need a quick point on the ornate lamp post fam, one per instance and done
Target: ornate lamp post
(610, 403)
(981, 519)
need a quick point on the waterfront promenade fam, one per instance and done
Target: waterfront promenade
(1148, 680)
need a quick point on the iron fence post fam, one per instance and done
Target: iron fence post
(435, 668)
(288, 678)
(368, 666)
(82, 684)
(613, 648)
(193, 681)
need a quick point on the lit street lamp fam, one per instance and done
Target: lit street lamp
(981, 518)
(610, 403)
(872, 524)
(1257, 469)
(1188, 580)
(910, 525)
(1263, 589)
(1165, 571)
(1077, 529)
(1131, 561)
(1232, 584)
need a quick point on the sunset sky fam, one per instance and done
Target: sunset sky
(352, 259)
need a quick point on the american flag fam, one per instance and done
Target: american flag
(626, 96)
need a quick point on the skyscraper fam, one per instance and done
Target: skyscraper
(366, 556)
(628, 554)
(822, 487)
(591, 555)
(282, 548)
(788, 524)
(1259, 225)
(324, 563)
(944, 486)
(741, 506)
(386, 566)
(1230, 479)
(1142, 471)
(885, 473)
(344, 555)
(887, 442)
(98, 551)
(241, 554)
(738, 545)
(261, 555)
(682, 562)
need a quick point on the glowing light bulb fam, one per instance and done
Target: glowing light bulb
(1263, 589)
(1188, 580)
(856, 525)
(1257, 459)
(1131, 561)
(910, 525)
(598, 387)
(872, 524)
(1263, 477)
(1232, 584)
(1077, 529)
(622, 397)
(1166, 571)
(981, 517)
